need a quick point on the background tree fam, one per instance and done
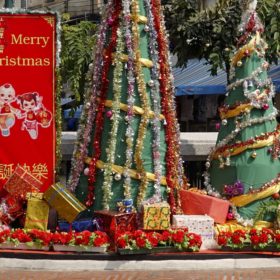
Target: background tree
(211, 34)
(77, 41)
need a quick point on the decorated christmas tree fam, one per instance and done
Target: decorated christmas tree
(244, 165)
(128, 139)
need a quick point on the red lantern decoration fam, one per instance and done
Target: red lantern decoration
(44, 117)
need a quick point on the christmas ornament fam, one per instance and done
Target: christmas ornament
(151, 83)
(218, 126)
(239, 63)
(117, 176)
(109, 114)
(230, 216)
(276, 195)
(254, 155)
(224, 122)
(265, 106)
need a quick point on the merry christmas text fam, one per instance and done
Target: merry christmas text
(30, 40)
(24, 61)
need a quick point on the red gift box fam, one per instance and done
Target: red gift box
(194, 203)
(22, 182)
(114, 223)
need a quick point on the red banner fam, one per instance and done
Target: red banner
(27, 95)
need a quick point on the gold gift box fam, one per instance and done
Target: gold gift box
(37, 212)
(66, 204)
(156, 216)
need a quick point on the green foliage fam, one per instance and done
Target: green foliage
(76, 55)
(267, 208)
(211, 34)
(269, 12)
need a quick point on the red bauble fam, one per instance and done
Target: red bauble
(109, 114)
(276, 195)
(265, 106)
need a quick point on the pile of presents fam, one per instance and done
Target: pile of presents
(24, 203)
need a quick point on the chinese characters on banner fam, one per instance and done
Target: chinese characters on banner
(27, 95)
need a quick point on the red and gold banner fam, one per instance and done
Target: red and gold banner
(27, 95)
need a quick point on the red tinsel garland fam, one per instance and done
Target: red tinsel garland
(172, 161)
(250, 141)
(114, 22)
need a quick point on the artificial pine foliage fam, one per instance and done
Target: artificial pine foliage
(267, 208)
(128, 140)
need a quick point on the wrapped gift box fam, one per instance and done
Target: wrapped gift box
(156, 216)
(200, 224)
(22, 182)
(194, 203)
(81, 225)
(66, 204)
(114, 223)
(37, 212)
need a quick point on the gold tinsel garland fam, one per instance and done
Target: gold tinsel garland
(136, 110)
(132, 173)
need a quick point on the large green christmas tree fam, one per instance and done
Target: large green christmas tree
(244, 165)
(128, 140)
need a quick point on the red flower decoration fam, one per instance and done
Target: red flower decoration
(263, 238)
(255, 239)
(222, 240)
(140, 242)
(121, 243)
(178, 236)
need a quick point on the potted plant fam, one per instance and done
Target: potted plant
(253, 239)
(141, 242)
(25, 239)
(84, 241)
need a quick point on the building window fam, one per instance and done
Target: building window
(49, 1)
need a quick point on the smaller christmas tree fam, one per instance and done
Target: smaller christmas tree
(244, 166)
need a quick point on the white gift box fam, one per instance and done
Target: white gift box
(199, 224)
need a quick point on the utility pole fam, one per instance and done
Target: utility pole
(9, 4)
(65, 6)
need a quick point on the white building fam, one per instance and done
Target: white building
(73, 7)
(77, 7)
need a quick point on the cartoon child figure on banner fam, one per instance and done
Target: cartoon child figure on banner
(7, 112)
(34, 113)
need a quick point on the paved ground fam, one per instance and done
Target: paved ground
(199, 266)
(244, 274)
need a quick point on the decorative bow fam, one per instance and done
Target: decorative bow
(234, 190)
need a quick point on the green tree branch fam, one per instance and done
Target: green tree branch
(211, 34)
